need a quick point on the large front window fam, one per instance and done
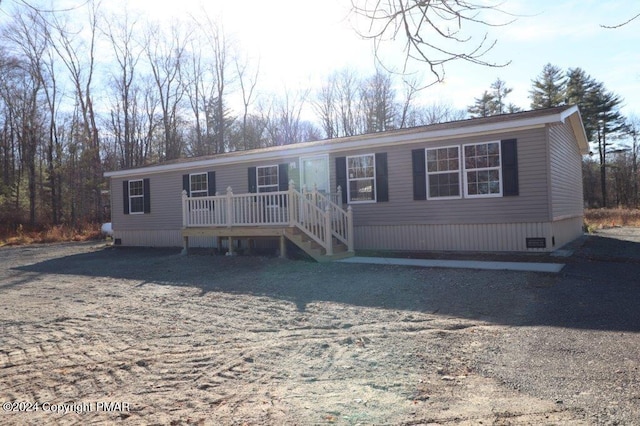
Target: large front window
(199, 185)
(443, 172)
(361, 175)
(136, 196)
(482, 175)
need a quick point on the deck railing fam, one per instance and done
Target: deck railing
(313, 212)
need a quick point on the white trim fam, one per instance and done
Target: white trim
(465, 176)
(375, 190)
(135, 196)
(426, 167)
(396, 137)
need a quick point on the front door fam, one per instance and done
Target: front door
(315, 171)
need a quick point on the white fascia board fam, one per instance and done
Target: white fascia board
(350, 143)
(575, 120)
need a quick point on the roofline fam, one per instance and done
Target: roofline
(575, 120)
(397, 137)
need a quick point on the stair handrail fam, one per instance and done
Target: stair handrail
(308, 217)
(341, 220)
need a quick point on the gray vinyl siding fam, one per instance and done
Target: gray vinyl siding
(531, 205)
(495, 237)
(166, 195)
(566, 173)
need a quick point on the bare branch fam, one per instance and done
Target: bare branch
(40, 10)
(431, 31)
(622, 24)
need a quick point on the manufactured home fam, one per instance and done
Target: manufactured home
(502, 183)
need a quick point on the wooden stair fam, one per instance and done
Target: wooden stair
(315, 250)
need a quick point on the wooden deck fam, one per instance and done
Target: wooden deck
(310, 220)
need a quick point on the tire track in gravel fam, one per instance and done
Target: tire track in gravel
(180, 350)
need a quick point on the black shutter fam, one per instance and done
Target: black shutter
(509, 167)
(211, 182)
(147, 195)
(252, 185)
(125, 196)
(341, 176)
(186, 186)
(419, 174)
(382, 180)
(283, 177)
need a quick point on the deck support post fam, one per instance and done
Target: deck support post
(230, 252)
(185, 209)
(185, 246)
(229, 207)
(283, 247)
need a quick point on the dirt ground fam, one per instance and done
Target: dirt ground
(94, 335)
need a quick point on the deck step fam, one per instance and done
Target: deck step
(314, 249)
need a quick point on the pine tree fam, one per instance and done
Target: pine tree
(499, 91)
(548, 88)
(482, 107)
(600, 110)
(493, 102)
(581, 90)
(609, 125)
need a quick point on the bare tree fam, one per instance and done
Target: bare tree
(78, 56)
(27, 35)
(433, 32)
(437, 112)
(378, 102)
(20, 91)
(218, 42)
(119, 31)
(407, 111)
(247, 87)
(284, 125)
(199, 85)
(325, 107)
(166, 54)
(348, 86)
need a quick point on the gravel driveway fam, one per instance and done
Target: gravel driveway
(95, 335)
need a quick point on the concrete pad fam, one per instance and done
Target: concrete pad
(465, 264)
(562, 253)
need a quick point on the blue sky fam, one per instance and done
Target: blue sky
(299, 42)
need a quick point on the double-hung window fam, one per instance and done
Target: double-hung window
(198, 185)
(361, 177)
(267, 181)
(267, 178)
(443, 172)
(136, 196)
(482, 171)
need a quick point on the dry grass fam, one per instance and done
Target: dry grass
(593, 219)
(607, 218)
(53, 234)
